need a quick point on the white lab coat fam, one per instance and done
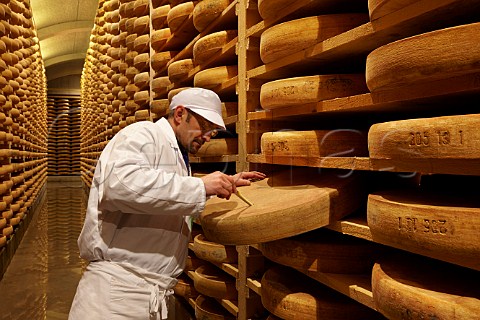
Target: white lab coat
(139, 211)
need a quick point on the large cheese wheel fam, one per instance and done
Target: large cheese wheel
(208, 46)
(285, 204)
(160, 84)
(159, 16)
(409, 61)
(409, 287)
(290, 294)
(178, 70)
(160, 106)
(159, 60)
(302, 90)
(206, 11)
(292, 36)
(179, 14)
(323, 251)
(213, 282)
(440, 226)
(439, 138)
(214, 252)
(185, 288)
(213, 77)
(218, 147)
(159, 38)
(314, 144)
(209, 309)
(380, 8)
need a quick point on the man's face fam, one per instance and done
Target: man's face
(195, 131)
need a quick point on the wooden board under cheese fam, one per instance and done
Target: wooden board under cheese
(289, 294)
(302, 90)
(408, 61)
(213, 282)
(314, 143)
(441, 226)
(289, 37)
(410, 287)
(285, 204)
(323, 251)
(438, 144)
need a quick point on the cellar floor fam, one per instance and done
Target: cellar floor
(42, 277)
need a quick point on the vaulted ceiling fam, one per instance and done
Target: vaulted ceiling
(63, 28)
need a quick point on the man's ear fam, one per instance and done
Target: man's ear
(178, 113)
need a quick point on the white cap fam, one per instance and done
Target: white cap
(204, 102)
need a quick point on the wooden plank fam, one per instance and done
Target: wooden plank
(353, 226)
(229, 305)
(255, 285)
(224, 158)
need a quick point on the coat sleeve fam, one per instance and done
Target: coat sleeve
(138, 176)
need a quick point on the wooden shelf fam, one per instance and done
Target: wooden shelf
(225, 158)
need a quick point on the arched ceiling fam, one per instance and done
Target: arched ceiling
(63, 28)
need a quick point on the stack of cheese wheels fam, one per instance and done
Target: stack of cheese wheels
(214, 252)
(212, 44)
(441, 226)
(314, 144)
(218, 147)
(214, 77)
(209, 308)
(381, 8)
(323, 251)
(289, 294)
(310, 89)
(439, 144)
(408, 62)
(213, 282)
(206, 11)
(413, 287)
(286, 38)
(285, 204)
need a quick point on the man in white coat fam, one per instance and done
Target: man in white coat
(141, 204)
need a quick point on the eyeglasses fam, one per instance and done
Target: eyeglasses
(206, 126)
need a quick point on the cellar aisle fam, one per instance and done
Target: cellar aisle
(41, 280)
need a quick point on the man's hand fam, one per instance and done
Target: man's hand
(219, 184)
(244, 178)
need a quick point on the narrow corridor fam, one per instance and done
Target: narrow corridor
(42, 277)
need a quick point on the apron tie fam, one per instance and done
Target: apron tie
(158, 302)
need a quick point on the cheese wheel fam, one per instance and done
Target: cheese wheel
(178, 70)
(141, 80)
(160, 107)
(314, 144)
(412, 287)
(323, 251)
(159, 60)
(208, 46)
(434, 139)
(287, 203)
(409, 61)
(206, 11)
(159, 17)
(160, 84)
(209, 309)
(218, 147)
(179, 15)
(185, 288)
(214, 252)
(440, 226)
(193, 262)
(141, 61)
(292, 36)
(159, 38)
(290, 294)
(213, 282)
(142, 97)
(302, 90)
(380, 8)
(213, 77)
(141, 26)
